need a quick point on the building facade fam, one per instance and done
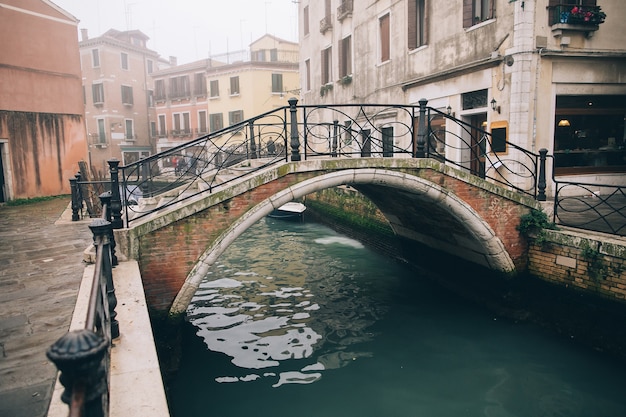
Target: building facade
(42, 134)
(223, 90)
(119, 97)
(550, 74)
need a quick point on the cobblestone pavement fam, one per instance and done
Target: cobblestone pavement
(41, 266)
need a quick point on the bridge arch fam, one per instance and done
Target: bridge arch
(492, 249)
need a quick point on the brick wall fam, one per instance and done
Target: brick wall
(581, 261)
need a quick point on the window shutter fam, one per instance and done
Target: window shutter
(493, 9)
(412, 24)
(342, 62)
(426, 27)
(468, 12)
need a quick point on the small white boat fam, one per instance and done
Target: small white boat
(291, 210)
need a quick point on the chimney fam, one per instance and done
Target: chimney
(83, 35)
(173, 61)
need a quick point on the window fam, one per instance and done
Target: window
(234, 86)
(559, 10)
(416, 24)
(95, 58)
(202, 126)
(150, 66)
(150, 98)
(97, 91)
(179, 87)
(124, 58)
(199, 84)
(176, 124)
(305, 17)
(274, 55)
(387, 133)
(102, 133)
(181, 124)
(345, 56)
(307, 74)
(235, 117)
(130, 135)
(153, 129)
(214, 88)
(476, 11)
(162, 126)
(216, 121)
(259, 56)
(186, 124)
(277, 83)
(326, 65)
(127, 95)
(159, 87)
(383, 25)
(589, 134)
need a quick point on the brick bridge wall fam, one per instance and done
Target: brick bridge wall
(168, 254)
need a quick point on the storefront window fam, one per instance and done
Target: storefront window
(589, 134)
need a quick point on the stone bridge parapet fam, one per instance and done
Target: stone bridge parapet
(423, 200)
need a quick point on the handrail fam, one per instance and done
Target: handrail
(83, 356)
(589, 206)
(297, 131)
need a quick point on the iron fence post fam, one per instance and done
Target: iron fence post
(335, 133)
(76, 203)
(102, 230)
(295, 139)
(541, 183)
(105, 200)
(252, 142)
(145, 180)
(116, 202)
(79, 355)
(422, 132)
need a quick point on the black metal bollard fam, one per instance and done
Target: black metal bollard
(541, 181)
(76, 203)
(422, 133)
(101, 230)
(79, 355)
(116, 202)
(295, 140)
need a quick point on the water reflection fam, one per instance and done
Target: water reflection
(307, 316)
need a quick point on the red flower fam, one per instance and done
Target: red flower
(575, 10)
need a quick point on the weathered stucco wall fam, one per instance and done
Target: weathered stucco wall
(44, 151)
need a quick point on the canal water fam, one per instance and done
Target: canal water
(297, 320)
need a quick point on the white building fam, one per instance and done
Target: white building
(551, 74)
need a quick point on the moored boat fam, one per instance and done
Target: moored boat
(291, 210)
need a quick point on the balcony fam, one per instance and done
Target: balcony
(568, 18)
(326, 24)
(345, 9)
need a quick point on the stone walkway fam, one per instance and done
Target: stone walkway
(41, 267)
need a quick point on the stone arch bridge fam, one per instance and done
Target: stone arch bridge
(424, 200)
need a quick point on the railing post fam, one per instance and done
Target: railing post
(76, 203)
(101, 230)
(252, 142)
(335, 133)
(541, 181)
(105, 201)
(116, 202)
(295, 139)
(79, 355)
(145, 180)
(422, 131)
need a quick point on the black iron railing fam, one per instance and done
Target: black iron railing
(83, 356)
(306, 132)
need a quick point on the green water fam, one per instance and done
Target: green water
(297, 320)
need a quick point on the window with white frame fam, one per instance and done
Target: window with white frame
(417, 24)
(277, 83)
(129, 129)
(95, 58)
(127, 95)
(235, 117)
(202, 122)
(214, 88)
(326, 65)
(234, 86)
(159, 90)
(199, 84)
(162, 126)
(124, 60)
(307, 74)
(476, 11)
(216, 121)
(97, 91)
(384, 32)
